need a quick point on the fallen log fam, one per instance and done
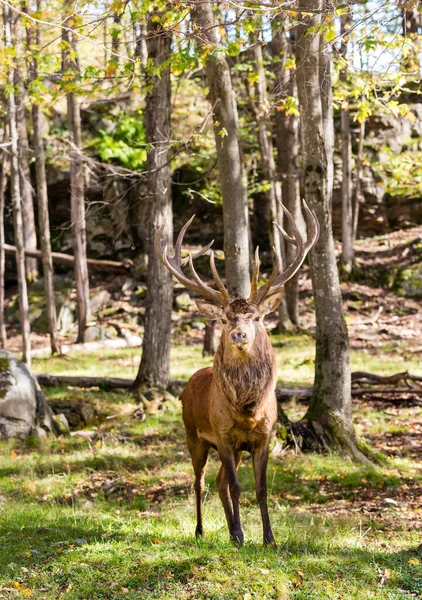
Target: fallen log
(373, 379)
(109, 383)
(94, 264)
(282, 394)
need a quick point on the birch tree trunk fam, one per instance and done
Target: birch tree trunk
(77, 191)
(273, 194)
(3, 170)
(27, 201)
(287, 141)
(225, 118)
(42, 198)
(347, 253)
(16, 196)
(329, 417)
(154, 369)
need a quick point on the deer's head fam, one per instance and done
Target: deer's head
(241, 319)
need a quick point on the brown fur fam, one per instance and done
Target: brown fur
(245, 383)
(232, 407)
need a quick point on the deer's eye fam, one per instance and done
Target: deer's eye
(224, 321)
(256, 319)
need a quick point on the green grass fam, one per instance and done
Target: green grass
(113, 517)
(61, 536)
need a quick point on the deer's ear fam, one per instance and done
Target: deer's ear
(209, 310)
(268, 305)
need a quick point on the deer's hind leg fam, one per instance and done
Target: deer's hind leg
(199, 455)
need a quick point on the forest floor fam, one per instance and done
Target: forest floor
(108, 512)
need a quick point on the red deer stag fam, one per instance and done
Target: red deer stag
(231, 406)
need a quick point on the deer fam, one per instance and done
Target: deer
(231, 406)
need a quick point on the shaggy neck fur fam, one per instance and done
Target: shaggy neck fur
(245, 378)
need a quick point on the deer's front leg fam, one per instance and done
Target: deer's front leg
(228, 477)
(260, 460)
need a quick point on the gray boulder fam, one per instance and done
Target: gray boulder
(23, 408)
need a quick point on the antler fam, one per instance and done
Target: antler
(278, 277)
(175, 263)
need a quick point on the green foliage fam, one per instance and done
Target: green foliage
(402, 172)
(126, 144)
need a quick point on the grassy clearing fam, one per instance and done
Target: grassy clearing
(295, 359)
(113, 517)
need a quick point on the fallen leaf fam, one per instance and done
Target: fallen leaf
(413, 561)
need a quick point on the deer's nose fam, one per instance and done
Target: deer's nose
(239, 337)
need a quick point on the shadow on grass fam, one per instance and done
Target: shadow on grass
(99, 556)
(97, 461)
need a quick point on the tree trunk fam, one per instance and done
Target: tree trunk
(3, 169)
(358, 197)
(42, 198)
(27, 203)
(210, 339)
(16, 197)
(329, 417)
(225, 118)
(324, 70)
(287, 141)
(347, 254)
(77, 192)
(154, 369)
(273, 194)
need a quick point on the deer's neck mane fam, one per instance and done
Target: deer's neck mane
(245, 379)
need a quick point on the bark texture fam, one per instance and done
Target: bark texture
(358, 197)
(16, 198)
(225, 118)
(287, 141)
(273, 194)
(3, 169)
(77, 191)
(347, 254)
(329, 417)
(154, 369)
(324, 72)
(42, 198)
(27, 202)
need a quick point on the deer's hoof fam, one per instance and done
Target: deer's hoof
(237, 538)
